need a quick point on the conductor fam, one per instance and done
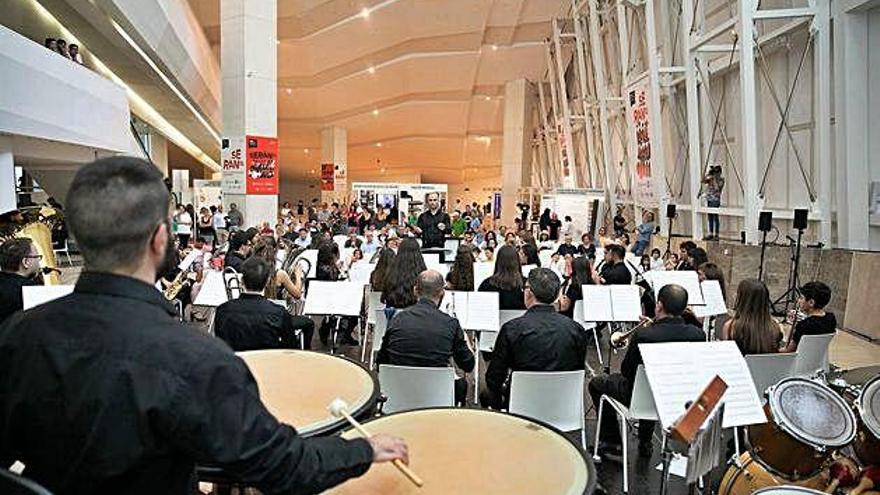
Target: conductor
(105, 391)
(433, 224)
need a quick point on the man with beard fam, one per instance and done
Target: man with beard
(104, 391)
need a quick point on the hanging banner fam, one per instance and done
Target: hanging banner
(640, 147)
(340, 177)
(232, 158)
(327, 176)
(496, 205)
(262, 165)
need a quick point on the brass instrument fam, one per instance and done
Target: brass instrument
(173, 290)
(620, 339)
(232, 283)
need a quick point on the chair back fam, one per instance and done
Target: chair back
(641, 405)
(554, 397)
(578, 316)
(413, 387)
(374, 302)
(13, 484)
(379, 327)
(768, 369)
(506, 315)
(812, 355)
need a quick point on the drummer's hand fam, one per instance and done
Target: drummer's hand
(387, 448)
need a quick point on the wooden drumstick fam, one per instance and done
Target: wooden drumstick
(844, 472)
(339, 408)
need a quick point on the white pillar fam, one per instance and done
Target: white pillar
(693, 118)
(159, 152)
(248, 55)
(749, 121)
(822, 77)
(655, 129)
(602, 95)
(516, 146)
(334, 149)
(8, 200)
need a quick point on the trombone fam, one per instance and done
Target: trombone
(620, 339)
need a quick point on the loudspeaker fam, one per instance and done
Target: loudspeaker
(670, 211)
(765, 221)
(800, 219)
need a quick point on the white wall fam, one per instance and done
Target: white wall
(480, 190)
(874, 108)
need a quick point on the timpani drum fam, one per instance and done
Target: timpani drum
(747, 476)
(298, 386)
(788, 490)
(476, 451)
(867, 442)
(807, 421)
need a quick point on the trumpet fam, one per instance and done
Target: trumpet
(620, 339)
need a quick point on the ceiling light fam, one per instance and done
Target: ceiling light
(487, 98)
(306, 151)
(375, 112)
(382, 170)
(365, 12)
(378, 145)
(277, 42)
(371, 69)
(288, 90)
(494, 47)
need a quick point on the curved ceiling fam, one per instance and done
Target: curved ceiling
(418, 84)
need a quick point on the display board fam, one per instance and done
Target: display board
(576, 203)
(862, 311)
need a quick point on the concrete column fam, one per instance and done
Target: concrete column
(159, 152)
(249, 56)
(334, 149)
(516, 147)
(7, 177)
(749, 120)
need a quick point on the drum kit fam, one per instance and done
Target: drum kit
(822, 434)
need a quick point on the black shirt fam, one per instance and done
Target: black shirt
(507, 298)
(105, 391)
(422, 335)
(588, 251)
(10, 293)
(540, 340)
(814, 325)
(668, 329)
(554, 225)
(234, 260)
(567, 249)
(253, 322)
(432, 236)
(616, 274)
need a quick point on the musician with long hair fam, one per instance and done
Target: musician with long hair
(752, 327)
(581, 274)
(377, 278)
(400, 280)
(507, 280)
(461, 275)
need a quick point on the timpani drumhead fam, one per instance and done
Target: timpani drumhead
(788, 490)
(869, 405)
(459, 451)
(298, 386)
(812, 413)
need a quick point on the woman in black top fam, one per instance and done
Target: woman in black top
(377, 278)
(400, 281)
(328, 262)
(507, 280)
(461, 276)
(581, 274)
(529, 255)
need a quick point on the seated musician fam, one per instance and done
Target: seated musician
(614, 271)
(19, 264)
(812, 301)
(422, 335)
(240, 244)
(254, 322)
(669, 326)
(142, 397)
(540, 340)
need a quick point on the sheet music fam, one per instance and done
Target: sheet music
(714, 299)
(447, 305)
(482, 271)
(679, 371)
(527, 268)
(312, 256)
(482, 311)
(361, 271)
(213, 291)
(687, 279)
(190, 258)
(626, 302)
(34, 295)
(460, 306)
(431, 259)
(334, 298)
(597, 303)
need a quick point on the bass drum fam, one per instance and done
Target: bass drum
(867, 443)
(750, 476)
(807, 421)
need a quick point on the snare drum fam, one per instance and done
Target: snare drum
(298, 386)
(867, 443)
(748, 476)
(788, 490)
(476, 451)
(807, 420)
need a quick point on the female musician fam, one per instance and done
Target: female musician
(461, 276)
(528, 255)
(400, 282)
(377, 278)
(752, 326)
(328, 270)
(581, 274)
(711, 271)
(507, 280)
(266, 248)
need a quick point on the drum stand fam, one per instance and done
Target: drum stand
(790, 296)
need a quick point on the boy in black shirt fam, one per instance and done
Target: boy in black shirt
(814, 297)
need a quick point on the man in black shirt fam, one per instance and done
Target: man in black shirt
(240, 244)
(668, 327)
(433, 223)
(540, 340)
(19, 262)
(254, 322)
(812, 301)
(567, 247)
(614, 272)
(105, 391)
(553, 225)
(422, 335)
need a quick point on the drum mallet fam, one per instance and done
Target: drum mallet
(339, 408)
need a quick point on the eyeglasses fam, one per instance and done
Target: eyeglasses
(35, 256)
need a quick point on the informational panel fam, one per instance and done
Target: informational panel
(207, 193)
(679, 371)
(232, 158)
(576, 203)
(862, 311)
(640, 143)
(334, 298)
(328, 177)
(262, 165)
(34, 295)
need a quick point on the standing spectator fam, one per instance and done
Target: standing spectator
(234, 218)
(218, 221)
(644, 231)
(184, 223)
(459, 225)
(714, 186)
(619, 222)
(553, 226)
(51, 43)
(285, 209)
(567, 226)
(73, 50)
(206, 225)
(544, 221)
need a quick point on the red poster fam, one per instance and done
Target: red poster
(262, 165)
(327, 176)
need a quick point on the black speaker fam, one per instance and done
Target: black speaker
(800, 219)
(670, 211)
(765, 221)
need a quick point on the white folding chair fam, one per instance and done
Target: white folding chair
(374, 301)
(768, 369)
(379, 327)
(487, 338)
(641, 407)
(579, 318)
(65, 251)
(554, 397)
(812, 355)
(412, 387)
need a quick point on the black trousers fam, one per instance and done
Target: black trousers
(618, 388)
(307, 326)
(461, 387)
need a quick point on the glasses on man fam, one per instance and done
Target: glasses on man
(35, 256)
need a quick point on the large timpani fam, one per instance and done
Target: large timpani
(297, 387)
(476, 451)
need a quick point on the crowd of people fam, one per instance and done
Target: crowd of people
(60, 46)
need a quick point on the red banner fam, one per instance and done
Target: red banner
(328, 175)
(262, 165)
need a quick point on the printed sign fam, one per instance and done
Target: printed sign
(340, 177)
(262, 165)
(232, 158)
(643, 185)
(328, 175)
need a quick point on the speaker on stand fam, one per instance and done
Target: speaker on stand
(765, 224)
(670, 214)
(790, 296)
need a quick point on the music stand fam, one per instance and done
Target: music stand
(611, 304)
(337, 299)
